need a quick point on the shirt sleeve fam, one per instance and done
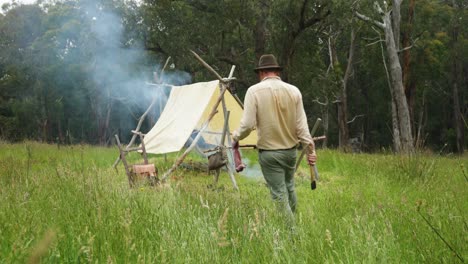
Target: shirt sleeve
(302, 127)
(249, 118)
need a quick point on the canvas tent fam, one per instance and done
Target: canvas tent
(187, 109)
(194, 115)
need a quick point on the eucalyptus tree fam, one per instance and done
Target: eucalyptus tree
(389, 23)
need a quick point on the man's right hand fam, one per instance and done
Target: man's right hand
(312, 158)
(235, 144)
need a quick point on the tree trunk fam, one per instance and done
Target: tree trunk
(419, 140)
(287, 54)
(343, 99)
(409, 83)
(396, 20)
(106, 124)
(456, 81)
(395, 126)
(325, 123)
(45, 113)
(397, 87)
(260, 30)
(400, 110)
(103, 134)
(304, 22)
(61, 138)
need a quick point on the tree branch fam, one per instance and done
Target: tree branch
(375, 42)
(370, 20)
(318, 102)
(409, 47)
(354, 119)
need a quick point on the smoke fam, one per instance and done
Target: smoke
(252, 169)
(121, 68)
(120, 65)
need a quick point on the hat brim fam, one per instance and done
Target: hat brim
(269, 68)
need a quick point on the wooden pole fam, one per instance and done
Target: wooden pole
(221, 79)
(124, 161)
(223, 138)
(225, 127)
(312, 132)
(145, 155)
(229, 166)
(207, 66)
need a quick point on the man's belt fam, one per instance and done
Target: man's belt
(261, 150)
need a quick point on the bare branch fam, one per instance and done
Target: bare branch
(369, 20)
(375, 42)
(371, 39)
(318, 102)
(330, 53)
(354, 119)
(409, 47)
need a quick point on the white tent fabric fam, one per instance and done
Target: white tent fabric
(182, 113)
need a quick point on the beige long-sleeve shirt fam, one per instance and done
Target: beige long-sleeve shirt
(276, 110)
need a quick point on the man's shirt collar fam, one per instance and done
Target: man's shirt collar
(271, 77)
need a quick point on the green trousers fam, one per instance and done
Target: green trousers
(278, 167)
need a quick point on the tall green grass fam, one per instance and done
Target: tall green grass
(68, 205)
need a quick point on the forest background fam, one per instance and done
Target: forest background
(381, 75)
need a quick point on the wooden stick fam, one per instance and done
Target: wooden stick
(124, 161)
(225, 127)
(207, 66)
(221, 79)
(132, 149)
(228, 165)
(312, 132)
(231, 74)
(319, 138)
(145, 156)
(238, 100)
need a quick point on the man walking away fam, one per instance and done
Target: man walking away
(276, 110)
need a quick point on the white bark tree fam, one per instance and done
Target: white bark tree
(390, 25)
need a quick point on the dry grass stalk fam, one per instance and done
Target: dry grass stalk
(328, 238)
(220, 236)
(255, 226)
(41, 248)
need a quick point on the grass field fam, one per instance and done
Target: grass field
(68, 205)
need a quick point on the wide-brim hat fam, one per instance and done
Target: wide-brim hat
(268, 61)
